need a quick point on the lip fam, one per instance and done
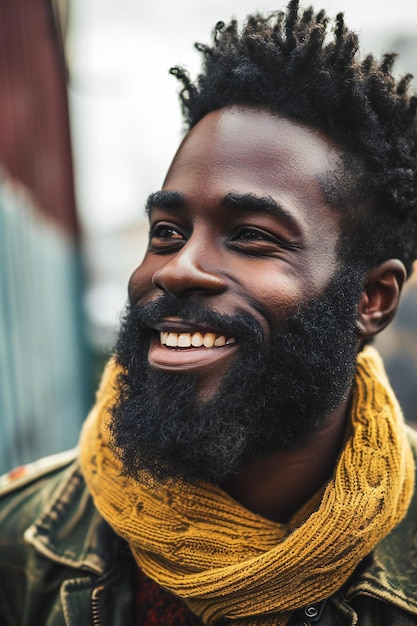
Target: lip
(176, 325)
(188, 359)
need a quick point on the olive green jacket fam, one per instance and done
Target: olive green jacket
(62, 565)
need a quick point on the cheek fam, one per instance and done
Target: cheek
(140, 283)
(278, 297)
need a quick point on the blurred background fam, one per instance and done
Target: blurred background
(89, 123)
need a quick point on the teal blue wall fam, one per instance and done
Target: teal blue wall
(44, 374)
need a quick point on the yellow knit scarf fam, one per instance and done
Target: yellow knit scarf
(227, 562)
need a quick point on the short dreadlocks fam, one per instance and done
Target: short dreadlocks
(289, 63)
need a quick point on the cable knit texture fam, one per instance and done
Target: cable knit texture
(228, 563)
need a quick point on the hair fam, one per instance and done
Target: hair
(293, 64)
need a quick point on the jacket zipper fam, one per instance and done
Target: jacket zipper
(97, 606)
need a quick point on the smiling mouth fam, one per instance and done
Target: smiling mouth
(179, 347)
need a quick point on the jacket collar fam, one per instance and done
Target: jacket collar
(70, 531)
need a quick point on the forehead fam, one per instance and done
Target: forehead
(254, 148)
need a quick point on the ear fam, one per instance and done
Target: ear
(379, 300)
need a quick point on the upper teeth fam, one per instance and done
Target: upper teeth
(195, 340)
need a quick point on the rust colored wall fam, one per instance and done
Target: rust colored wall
(34, 128)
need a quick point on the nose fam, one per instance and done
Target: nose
(190, 272)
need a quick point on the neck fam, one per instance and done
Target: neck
(278, 485)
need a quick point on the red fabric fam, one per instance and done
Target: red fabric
(155, 606)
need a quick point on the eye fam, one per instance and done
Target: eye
(252, 234)
(165, 231)
(164, 235)
(256, 241)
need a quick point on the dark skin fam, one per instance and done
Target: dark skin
(242, 223)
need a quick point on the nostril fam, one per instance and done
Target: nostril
(184, 275)
(158, 281)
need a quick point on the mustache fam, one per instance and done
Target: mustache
(192, 311)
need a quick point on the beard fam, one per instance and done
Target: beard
(274, 395)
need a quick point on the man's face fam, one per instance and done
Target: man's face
(236, 305)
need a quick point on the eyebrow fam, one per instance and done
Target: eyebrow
(165, 200)
(249, 202)
(242, 202)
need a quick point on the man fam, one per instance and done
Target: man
(246, 461)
